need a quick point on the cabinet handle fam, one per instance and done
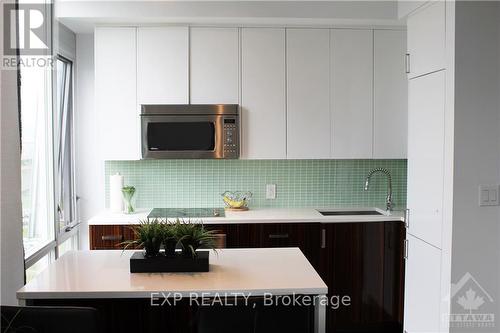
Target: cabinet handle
(111, 237)
(407, 63)
(278, 236)
(405, 244)
(323, 238)
(407, 218)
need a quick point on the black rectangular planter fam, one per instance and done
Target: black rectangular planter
(169, 264)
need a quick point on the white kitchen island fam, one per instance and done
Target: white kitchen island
(244, 272)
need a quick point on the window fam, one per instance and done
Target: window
(68, 245)
(36, 159)
(39, 266)
(63, 147)
(48, 188)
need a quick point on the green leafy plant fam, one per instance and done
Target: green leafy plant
(148, 234)
(170, 237)
(192, 236)
(128, 192)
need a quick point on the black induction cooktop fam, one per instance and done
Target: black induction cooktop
(186, 213)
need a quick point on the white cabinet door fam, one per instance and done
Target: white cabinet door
(162, 65)
(115, 93)
(422, 287)
(405, 7)
(308, 93)
(426, 39)
(351, 93)
(426, 156)
(263, 93)
(214, 66)
(390, 98)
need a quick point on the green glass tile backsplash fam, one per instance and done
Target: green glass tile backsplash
(299, 183)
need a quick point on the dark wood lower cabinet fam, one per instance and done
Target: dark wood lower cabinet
(363, 261)
(185, 316)
(108, 237)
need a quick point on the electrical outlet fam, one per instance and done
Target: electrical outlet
(488, 195)
(271, 191)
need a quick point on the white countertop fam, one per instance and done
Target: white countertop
(105, 274)
(260, 215)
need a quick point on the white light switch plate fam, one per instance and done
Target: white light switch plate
(271, 191)
(488, 195)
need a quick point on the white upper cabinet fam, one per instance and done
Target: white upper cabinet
(263, 93)
(422, 287)
(162, 65)
(426, 115)
(352, 93)
(405, 7)
(390, 98)
(115, 93)
(214, 65)
(426, 39)
(308, 93)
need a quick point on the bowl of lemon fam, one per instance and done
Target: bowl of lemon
(236, 200)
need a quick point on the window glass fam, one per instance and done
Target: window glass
(38, 267)
(36, 158)
(63, 145)
(69, 245)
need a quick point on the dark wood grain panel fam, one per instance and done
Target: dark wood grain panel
(365, 261)
(106, 237)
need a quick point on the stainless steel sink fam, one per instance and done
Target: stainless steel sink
(349, 212)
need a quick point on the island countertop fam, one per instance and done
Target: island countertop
(105, 274)
(261, 215)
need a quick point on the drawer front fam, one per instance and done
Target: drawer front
(305, 236)
(106, 237)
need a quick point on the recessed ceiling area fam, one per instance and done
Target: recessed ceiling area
(83, 16)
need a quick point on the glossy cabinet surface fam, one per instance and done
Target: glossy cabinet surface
(423, 291)
(263, 117)
(162, 65)
(426, 39)
(304, 93)
(308, 93)
(351, 69)
(214, 65)
(390, 95)
(115, 93)
(426, 156)
(363, 261)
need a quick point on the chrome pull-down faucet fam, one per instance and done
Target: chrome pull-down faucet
(386, 172)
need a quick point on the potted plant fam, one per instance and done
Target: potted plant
(192, 236)
(128, 193)
(170, 238)
(148, 234)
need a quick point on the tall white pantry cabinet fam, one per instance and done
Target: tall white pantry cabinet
(426, 265)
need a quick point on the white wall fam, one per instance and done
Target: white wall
(11, 248)
(89, 172)
(476, 245)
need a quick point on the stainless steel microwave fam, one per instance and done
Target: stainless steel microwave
(190, 131)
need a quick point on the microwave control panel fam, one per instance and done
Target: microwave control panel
(231, 140)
